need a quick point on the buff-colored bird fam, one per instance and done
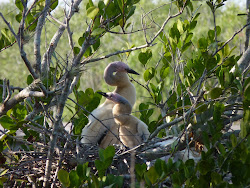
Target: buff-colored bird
(132, 131)
(115, 74)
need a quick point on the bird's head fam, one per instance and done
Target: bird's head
(123, 67)
(115, 97)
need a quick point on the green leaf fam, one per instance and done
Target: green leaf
(224, 77)
(205, 139)
(76, 50)
(216, 178)
(233, 140)
(106, 158)
(91, 3)
(100, 166)
(144, 57)
(54, 4)
(192, 25)
(226, 50)
(247, 90)
(74, 179)
(8, 123)
(196, 16)
(131, 12)
(63, 176)
(222, 149)
(174, 33)
(180, 26)
(185, 46)
(19, 112)
(215, 93)
(112, 181)
(149, 74)
(218, 30)
(81, 40)
(83, 170)
(189, 168)
(160, 165)
(29, 79)
(98, 31)
(101, 5)
(152, 175)
(164, 72)
(167, 58)
(202, 43)
(120, 4)
(211, 35)
(92, 12)
(109, 152)
(140, 169)
(204, 167)
(210, 5)
(88, 52)
(218, 110)
(201, 107)
(19, 5)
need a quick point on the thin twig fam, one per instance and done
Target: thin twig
(229, 40)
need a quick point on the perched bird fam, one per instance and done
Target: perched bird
(115, 74)
(132, 131)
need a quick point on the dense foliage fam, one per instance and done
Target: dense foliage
(194, 87)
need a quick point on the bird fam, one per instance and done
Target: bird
(115, 74)
(132, 131)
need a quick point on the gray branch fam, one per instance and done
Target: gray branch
(54, 41)
(27, 92)
(37, 38)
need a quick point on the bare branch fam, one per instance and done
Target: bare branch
(229, 40)
(27, 92)
(54, 41)
(37, 37)
(165, 125)
(149, 44)
(116, 53)
(9, 26)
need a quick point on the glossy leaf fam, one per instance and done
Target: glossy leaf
(63, 176)
(19, 4)
(149, 74)
(74, 179)
(92, 12)
(8, 123)
(144, 57)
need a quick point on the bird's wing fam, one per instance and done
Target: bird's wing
(142, 129)
(109, 139)
(94, 130)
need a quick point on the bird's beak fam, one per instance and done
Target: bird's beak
(103, 94)
(132, 71)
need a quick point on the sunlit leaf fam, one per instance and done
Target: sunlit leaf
(92, 12)
(144, 57)
(149, 74)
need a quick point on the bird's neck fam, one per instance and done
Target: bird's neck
(120, 79)
(121, 112)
